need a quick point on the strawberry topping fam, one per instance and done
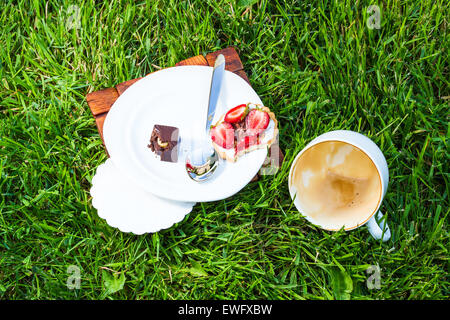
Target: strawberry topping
(245, 140)
(236, 114)
(223, 135)
(257, 121)
(241, 128)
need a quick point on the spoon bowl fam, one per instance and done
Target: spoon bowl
(201, 163)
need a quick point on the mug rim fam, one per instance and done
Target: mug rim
(310, 145)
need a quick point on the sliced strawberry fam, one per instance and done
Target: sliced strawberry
(245, 140)
(223, 135)
(236, 114)
(257, 121)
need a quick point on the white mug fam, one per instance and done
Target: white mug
(374, 153)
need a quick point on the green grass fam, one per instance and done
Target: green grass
(318, 66)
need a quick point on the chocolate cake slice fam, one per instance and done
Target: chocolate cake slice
(164, 142)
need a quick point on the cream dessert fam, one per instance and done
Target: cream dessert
(242, 129)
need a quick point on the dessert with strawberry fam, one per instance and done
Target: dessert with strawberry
(242, 129)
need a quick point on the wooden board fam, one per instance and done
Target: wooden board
(101, 101)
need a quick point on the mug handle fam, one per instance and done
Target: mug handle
(376, 230)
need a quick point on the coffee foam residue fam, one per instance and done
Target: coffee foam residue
(337, 185)
(306, 176)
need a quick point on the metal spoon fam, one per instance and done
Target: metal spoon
(203, 160)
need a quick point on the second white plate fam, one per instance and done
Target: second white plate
(126, 206)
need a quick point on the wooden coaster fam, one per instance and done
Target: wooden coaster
(101, 101)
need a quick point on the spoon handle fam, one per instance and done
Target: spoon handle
(216, 84)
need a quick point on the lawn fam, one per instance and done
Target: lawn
(319, 66)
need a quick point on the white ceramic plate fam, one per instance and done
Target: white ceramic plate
(126, 206)
(177, 97)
